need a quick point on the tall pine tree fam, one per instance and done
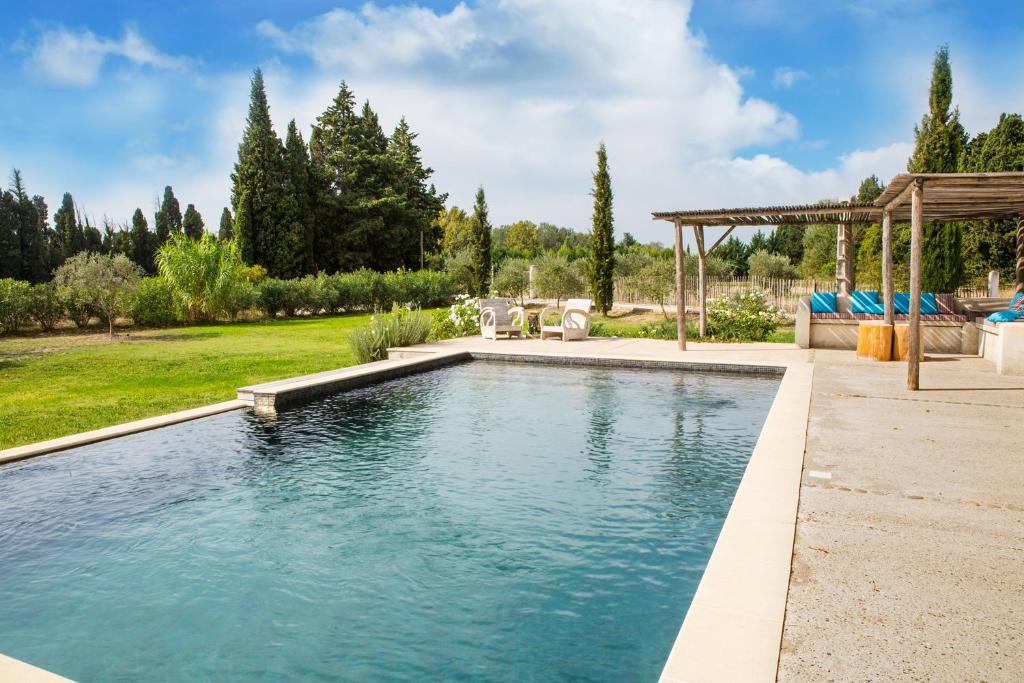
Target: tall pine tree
(331, 148)
(227, 225)
(302, 195)
(168, 216)
(69, 228)
(939, 144)
(10, 248)
(259, 190)
(192, 223)
(417, 202)
(602, 240)
(31, 240)
(481, 246)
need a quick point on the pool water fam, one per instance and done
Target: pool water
(487, 521)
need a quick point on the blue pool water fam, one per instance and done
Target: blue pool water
(486, 521)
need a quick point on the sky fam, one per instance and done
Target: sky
(701, 104)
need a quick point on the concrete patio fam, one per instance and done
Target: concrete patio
(908, 559)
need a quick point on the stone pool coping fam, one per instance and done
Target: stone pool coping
(84, 438)
(733, 628)
(16, 671)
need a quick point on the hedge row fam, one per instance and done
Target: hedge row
(153, 302)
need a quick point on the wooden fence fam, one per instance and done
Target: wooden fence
(783, 293)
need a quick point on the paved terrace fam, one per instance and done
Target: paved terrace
(909, 562)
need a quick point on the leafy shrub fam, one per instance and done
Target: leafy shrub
(744, 317)
(47, 309)
(153, 304)
(765, 264)
(459, 267)
(318, 294)
(108, 282)
(512, 279)
(75, 300)
(206, 276)
(276, 296)
(15, 304)
(400, 327)
(441, 325)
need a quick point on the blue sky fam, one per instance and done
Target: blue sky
(701, 105)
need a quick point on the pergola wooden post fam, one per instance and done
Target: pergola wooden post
(680, 288)
(844, 258)
(914, 329)
(702, 278)
(887, 280)
(702, 294)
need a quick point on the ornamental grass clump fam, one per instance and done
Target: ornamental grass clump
(400, 327)
(746, 316)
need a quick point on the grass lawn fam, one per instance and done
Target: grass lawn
(61, 384)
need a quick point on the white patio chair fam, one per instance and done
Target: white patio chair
(497, 317)
(574, 323)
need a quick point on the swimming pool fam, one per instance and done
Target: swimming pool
(483, 521)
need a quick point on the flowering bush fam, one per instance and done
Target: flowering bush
(744, 317)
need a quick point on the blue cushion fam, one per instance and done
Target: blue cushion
(862, 301)
(928, 305)
(1014, 300)
(1004, 316)
(823, 302)
(901, 302)
(873, 309)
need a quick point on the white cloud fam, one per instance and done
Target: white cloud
(66, 57)
(786, 77)
(516, 95)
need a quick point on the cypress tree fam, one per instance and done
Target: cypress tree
(143, 242)
(302, 194)
(259, 179)
(481, 246)
(939, 143)
(368, 197)
(69, 228)
(602, 241)
(192, 223)
(226, 230)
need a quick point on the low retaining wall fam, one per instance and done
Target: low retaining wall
(1003, 344)
(940, 336)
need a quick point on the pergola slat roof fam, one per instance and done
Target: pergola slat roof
(800, 214)
(950, 197)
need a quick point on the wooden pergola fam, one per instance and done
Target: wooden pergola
(949, 197)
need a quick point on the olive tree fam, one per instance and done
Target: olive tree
(107, 281)
(513, 279)
(556, 278)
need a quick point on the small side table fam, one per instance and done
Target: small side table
(874, 340)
